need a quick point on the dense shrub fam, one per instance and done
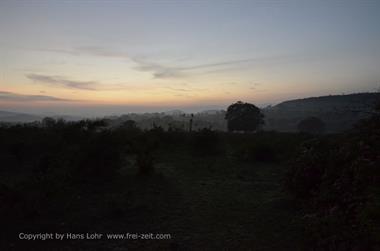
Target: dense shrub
(336, 179)
(305, 177)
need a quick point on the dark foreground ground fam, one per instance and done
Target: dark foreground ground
(203, 203)
(208, 191)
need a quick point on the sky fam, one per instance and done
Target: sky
(110, 57)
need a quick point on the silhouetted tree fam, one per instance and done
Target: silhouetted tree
(311, 125)
(129, 124)
(129, 128)
(243, 117)
(48, 122)
(191, 123)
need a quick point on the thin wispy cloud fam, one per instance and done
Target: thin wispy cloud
(230, 83)
(10, 96)
(254, 86)
(101, 52)
(176, 89)
(165, 71)
(96, 51)
(60, 81)
(158, 70)
(184, 95)
(73, 84)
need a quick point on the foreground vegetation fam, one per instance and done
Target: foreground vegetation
(209, 190)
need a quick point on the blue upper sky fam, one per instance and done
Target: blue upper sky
(69, 56)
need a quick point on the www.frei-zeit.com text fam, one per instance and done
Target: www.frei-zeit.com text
(93, 236)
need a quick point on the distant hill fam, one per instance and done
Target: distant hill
(359, 101)
(339, 112)
(14, 117)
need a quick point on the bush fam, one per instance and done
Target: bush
(305, 176)
(335, 179)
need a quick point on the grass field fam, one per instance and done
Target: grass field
(201, 190)
(216, 202)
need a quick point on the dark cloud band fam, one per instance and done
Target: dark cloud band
(10, 96)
